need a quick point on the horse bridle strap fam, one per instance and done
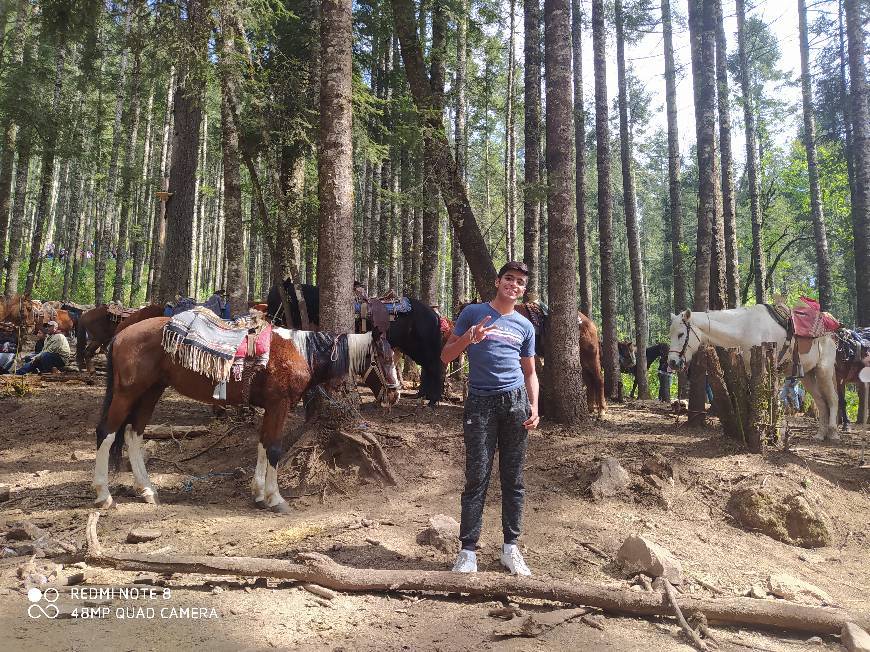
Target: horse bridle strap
(380, 374)
(682, 352)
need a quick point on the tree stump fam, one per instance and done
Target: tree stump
(746, 399)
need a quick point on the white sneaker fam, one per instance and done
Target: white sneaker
(512, 559)
(466, 562)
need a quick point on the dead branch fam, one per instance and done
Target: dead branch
(320, 569)
(691, 633)
(168, 431)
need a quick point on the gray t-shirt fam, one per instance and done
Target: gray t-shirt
(494, 363)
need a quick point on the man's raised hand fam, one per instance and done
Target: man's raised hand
(479, 331)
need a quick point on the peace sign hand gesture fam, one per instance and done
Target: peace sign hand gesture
(479, 331)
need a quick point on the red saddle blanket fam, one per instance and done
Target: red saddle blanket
(810, 321)
(261, 346)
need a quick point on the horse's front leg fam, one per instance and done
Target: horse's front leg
(269, 452)
(135, 439)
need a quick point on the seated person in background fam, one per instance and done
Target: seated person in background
(7, 355)
(55, 352)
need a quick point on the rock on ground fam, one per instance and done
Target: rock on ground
(639, 555)
(790, 519)
(442, 533)
(612, 479)
(141, 535)
(796, 590)
(855, 639)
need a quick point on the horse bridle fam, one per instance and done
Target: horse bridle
(374, 366)
(682, 352)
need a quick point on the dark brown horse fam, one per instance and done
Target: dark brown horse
(98, 326)
(846, 373)
(139, 370)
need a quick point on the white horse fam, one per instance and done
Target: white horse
(744, 328)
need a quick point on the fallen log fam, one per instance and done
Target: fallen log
(320, 569)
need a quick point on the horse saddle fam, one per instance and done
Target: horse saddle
(393, 304)
(852, 344)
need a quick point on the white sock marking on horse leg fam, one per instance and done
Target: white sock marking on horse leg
(258, 483)
(101, 472)
(273, 495)
(137, 464)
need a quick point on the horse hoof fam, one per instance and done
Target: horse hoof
(281, 508)
(103, 504)
(261, 504)
(151, 499)
(835, 436)
(819, 436)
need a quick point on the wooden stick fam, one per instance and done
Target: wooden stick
(691, 633)
(320, 569)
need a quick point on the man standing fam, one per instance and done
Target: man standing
(502, 406)
(55, 352)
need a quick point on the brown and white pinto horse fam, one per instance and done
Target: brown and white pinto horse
(139, 370)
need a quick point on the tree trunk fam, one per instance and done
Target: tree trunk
(532, 135)
(860, 98)
(176, 269)
(510, 151)
(16, 228)
(417, 231)
(106, 218)
(143, 212)
(702, 26)
(335, 164)
(450, 182)
(74, 223)
(844, 95)
(758, 271)
(823, 262)
(732, 270)
(632, 229)
(566, 398)
(127, 173)
(675, 209)
(10, 129)
(49, 151)
(375, 226)
(159, 230)
(431, 213)
(457, 260)
(234, 234)
(580, 159)
(609, 359)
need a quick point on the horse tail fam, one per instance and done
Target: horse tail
(118, 443)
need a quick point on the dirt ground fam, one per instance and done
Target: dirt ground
(47, 457)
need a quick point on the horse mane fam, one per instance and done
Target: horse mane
(318, 348)
(359, 347)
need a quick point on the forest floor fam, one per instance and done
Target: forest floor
(47, 457)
